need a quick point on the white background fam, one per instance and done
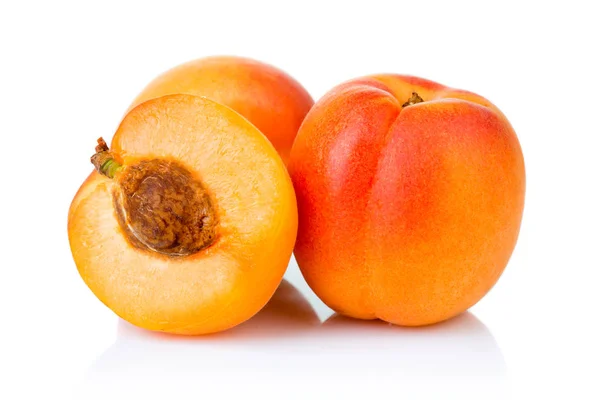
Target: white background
(69, 70)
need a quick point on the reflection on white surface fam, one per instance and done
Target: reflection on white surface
(285, 352)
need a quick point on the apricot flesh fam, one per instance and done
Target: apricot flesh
(409, 210)
(206, 288)
(268, 97)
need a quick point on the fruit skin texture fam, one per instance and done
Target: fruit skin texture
(406, 214)
(222, 285)
(268, 97)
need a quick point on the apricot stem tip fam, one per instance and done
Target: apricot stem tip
(414, 99)
(103, 160)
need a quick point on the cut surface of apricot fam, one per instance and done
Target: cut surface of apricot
(189, 222)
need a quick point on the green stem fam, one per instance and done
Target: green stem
(110, 168)
(103, 160)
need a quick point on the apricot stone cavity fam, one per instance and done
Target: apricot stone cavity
(160, 206)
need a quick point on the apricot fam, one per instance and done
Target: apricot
(268, 97)
(188, 222)
(410, 197)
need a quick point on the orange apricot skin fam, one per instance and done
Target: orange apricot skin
(268, 97)
(406, 214)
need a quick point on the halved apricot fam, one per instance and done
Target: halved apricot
(189, 220)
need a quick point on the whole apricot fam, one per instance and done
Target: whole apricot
(410, 197)
(268, 97)
(189, 220)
